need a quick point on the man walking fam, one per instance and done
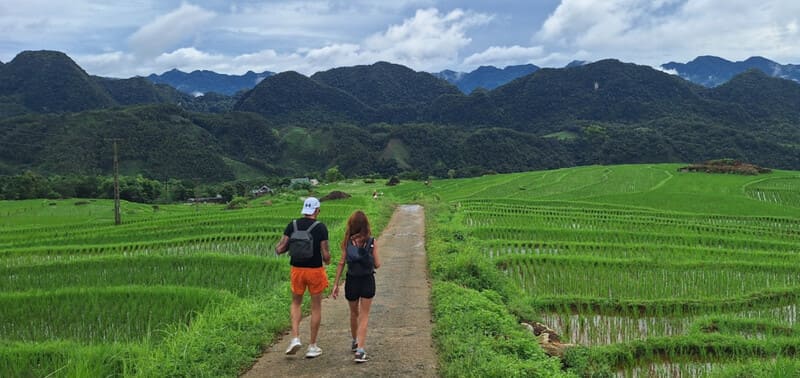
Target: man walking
(306, 239)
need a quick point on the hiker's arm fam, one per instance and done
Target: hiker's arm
(281, 247)
(375, 255)
(326, 252)
(339, 269)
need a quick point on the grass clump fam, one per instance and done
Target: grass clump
(476, 336)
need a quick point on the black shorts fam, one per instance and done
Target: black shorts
(356, 287)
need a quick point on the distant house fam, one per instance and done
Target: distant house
(262, 191)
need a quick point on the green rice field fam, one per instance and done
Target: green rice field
(176, 290)
(647, 270)
(651, 271)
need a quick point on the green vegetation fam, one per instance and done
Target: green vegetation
(386, 85)
(647, 269)
(174, 291)
(476, 337)
(385, 119)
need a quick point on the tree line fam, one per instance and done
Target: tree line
(31, 185)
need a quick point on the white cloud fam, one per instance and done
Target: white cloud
(504, 56)
(430, 40)
(190, 59)
(310, 23)
(654, 32)
(109, 64)
(125, 38)
(168, 30)
(109, 58)
(668, 71)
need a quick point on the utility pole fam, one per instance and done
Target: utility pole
(196, 193)
(117, 219)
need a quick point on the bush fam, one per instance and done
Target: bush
(470, 271)
(237, 203)
(579, 360)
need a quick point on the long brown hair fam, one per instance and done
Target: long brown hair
(357, 224)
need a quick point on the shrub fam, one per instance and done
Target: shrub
(237, 203)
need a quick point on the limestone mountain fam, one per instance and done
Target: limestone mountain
(486, 77)
(49, 81)
(138, 90)
(292, 96)
(386, 84)
(711, 71)
(204, 81)
(607, 90)
(388, 119)
(769, 100)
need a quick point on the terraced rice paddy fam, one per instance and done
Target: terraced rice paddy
(639, 257)
(659, 273)
(76, 290)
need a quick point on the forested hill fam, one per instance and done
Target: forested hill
(766, 99)
(386, 85)
(608, 91)
(291, 96)
(49, 81)
(387, 119)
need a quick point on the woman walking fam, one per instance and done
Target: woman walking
(361, 256)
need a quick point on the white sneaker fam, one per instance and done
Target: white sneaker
(361, 356)
(313, 351)
(294, 346)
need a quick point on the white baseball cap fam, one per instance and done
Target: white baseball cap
(309, 206)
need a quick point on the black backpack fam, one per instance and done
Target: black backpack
(301, 243)
(360, 261)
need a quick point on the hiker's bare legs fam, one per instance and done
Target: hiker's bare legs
(316, 316)
(296, 313)
(353, 318)
(364, 305)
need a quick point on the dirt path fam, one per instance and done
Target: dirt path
(399, 340)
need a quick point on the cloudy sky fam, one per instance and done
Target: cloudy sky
(139, 37)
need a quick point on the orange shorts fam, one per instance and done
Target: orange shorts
(313, 279)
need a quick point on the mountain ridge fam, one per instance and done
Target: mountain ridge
(51, 81)
(204, 81)
(486, 77)
(606, 112)
(711, 71)
(289, 93)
